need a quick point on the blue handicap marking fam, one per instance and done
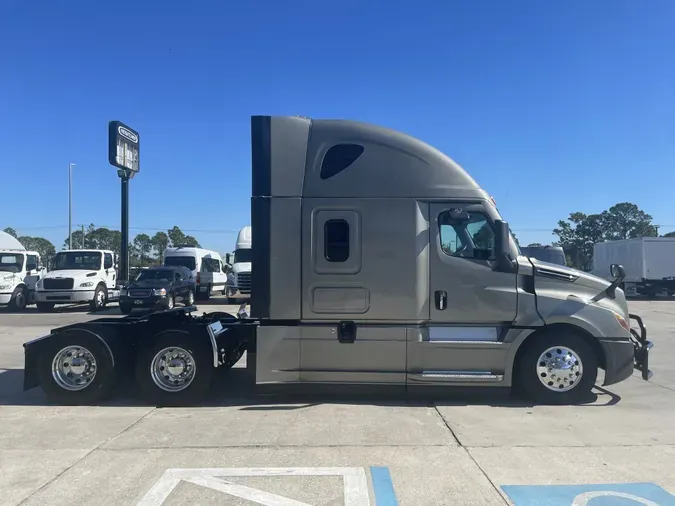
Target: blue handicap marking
(615, 494)
(383, 487)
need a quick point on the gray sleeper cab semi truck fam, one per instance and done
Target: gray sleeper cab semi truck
(377, 260)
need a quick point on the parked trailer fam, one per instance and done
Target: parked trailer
(649, 264)
(377, 261)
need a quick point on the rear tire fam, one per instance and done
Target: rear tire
(175, 370)
(19, 299)
(45, 307)
(190, 299)
(57, 374)
(558, 367)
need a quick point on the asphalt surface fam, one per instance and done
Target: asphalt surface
(245, 449)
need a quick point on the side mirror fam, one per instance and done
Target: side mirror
(618, 273)
(503, 247)
(227, 258)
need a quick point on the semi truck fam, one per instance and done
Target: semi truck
(239, 283)
(649, 263)
(377, 261)
(82, 276)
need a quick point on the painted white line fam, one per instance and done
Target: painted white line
(585, 498)
(354, 481)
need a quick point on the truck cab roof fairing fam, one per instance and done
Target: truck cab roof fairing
(288, 154)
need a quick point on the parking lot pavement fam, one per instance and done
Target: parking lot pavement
(265, 450)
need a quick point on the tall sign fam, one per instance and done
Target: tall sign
(124, 147)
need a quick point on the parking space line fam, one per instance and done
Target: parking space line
(383, 487)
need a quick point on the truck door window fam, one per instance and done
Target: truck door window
(467, 238)
(336, 240)
(108, 261)
(32, 263)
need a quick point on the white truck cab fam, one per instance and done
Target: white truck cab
(20, 271)
(239, 285)
(79, 276)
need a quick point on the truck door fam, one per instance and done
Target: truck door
(33, 272)
(464, 287)
(470, 304)
(109, 273)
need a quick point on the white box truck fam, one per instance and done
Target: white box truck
(649, 263)
(20, 271)
(239, 284)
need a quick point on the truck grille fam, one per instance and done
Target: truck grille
(57, 284)
(244, 282)
(139, 294)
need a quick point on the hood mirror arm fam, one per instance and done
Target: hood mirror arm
(618, 272)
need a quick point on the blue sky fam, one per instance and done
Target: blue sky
(553, 107)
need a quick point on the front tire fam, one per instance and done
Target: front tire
(75, 368)
(176, 370)
(190, 299)
(558, 368)
(19, 299)
(99, 300)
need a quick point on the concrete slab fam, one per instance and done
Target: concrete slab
(631, 413)
(288, 425)
(557, 465)
(64, 428)
(23, 472)
(117, 477)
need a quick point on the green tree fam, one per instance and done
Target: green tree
(535, 245)
(142, 247)
(191, 241)
(97, 238)
(626, 221)
(176, 236)
(44, 247)
(11, 231)
(160, 241)
(669, 234)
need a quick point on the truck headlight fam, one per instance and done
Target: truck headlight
(159, 291)
(86, 284)
(622, 321)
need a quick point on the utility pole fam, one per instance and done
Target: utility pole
(82, 236)
(70, 205)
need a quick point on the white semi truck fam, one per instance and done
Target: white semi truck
(378, 261)
(239, 283)
(85, 276)
(649, 263)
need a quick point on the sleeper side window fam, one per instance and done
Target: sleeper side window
(466, 235)
(336, 240)
(338, 158)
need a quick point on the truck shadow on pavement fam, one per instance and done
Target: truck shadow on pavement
(234, 389)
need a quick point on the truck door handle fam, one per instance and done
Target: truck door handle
(441, 297)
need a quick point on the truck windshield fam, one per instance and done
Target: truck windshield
(185, 261)
(11, 262)
(88, 260)
(156, 275)
(243, 255)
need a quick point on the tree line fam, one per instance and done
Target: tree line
(576, 235)
(144, 250)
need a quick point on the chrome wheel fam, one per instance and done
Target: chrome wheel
(74, 368)
(559, 368)
(170, 302)
(100, 298)
(190, 299)
(173, 369)
(20, 301)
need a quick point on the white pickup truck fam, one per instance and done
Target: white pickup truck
(20, 271)
(79, 276)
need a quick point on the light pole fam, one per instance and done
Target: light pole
(70, 205)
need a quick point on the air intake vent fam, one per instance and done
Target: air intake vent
(562, 276)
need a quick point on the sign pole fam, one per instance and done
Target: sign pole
(124, 247)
